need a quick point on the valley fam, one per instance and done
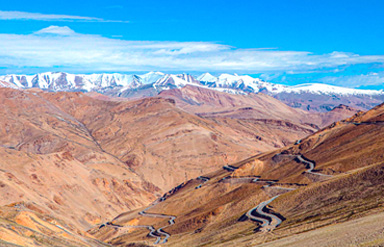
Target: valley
(105, 159)
(296, 194)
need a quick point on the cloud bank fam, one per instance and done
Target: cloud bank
(363, 80)
(61, 47)
(24, 16)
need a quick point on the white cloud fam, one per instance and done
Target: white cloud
(18, 15)
(369, 79)
(73, 52)
(56, 30)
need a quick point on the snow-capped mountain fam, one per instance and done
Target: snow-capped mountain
(207, 77)
(249, 84)
(175, 81)
(311, 96)
(318, 88)
(243, 83)
(158, 81)
(58, 81)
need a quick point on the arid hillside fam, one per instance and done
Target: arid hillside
(47, 154)
(324, 103)
(329, 182)
(80, 160)
(167, 144)
(24, 224)
(261, 107)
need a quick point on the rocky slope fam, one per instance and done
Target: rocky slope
(55, 144)
(260, 107)
(327, 181)
(51, 158)
(162, 142)
(72, 161)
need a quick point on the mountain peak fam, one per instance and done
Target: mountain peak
(207, 77)
(343, 107)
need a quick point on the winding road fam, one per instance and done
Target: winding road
(307, 162)
(367, 123)
(266, 224)
(271, 221)
(311, 166)
(269, 183)
(160, 231)
(205, 179)
(268, 221)
(152, 230)
(230, 168)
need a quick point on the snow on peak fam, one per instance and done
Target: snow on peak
(175, 81)
(231, 83)
(151, 77)
(188, 78)
(319, 88)
(207, 77)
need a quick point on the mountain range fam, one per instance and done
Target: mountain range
(309, 96)
(73, 160)
(190, 166)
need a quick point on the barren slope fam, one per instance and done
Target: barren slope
(84, 160)
(213, 104)
(333, 176)
(167, 145)
(81, 160)
(316, 102)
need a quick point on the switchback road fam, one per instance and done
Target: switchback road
(267, 225)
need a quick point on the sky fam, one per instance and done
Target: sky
(283, 41)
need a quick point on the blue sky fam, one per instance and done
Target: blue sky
(285, 41)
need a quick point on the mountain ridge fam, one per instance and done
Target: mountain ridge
(313, 97)
(242, 83)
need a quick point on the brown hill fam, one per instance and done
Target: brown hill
(210, 103)
(324, 103)
(203, 101)
(166, 145)
(329, 180)
(51, 158)
(84, 160)
(81, 160)
(22, 224)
